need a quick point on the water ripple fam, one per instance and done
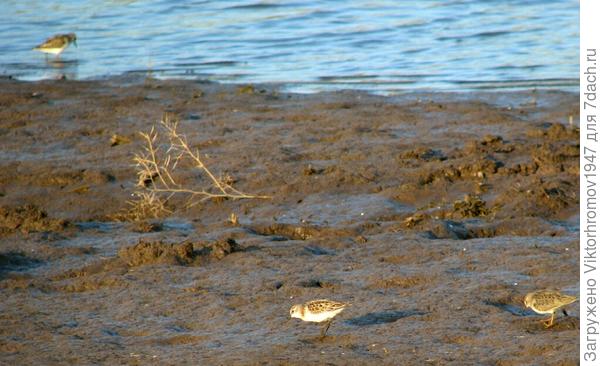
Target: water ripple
(377, 45)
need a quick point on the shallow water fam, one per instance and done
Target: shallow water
(381, 46)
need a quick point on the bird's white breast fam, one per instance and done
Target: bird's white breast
(54, 51)
(320, 317)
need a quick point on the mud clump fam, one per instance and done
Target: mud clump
(92, 284)
(443, 222)
(523, 226)
(557, 194)
(470, 206)
(553, 131)
(557, 158)
(145, 253)
(478, 168)
(424, 154)
(297, 232)
(289, 232)
(542, 198)
(157, 253)
(488, 144)
(110, 273)
(146, 227)
(221, 248)
(27, 219)
(446, 229)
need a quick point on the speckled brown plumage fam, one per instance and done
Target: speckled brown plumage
(318, 311)
(56, 44)
(547, 302)
(320, 306)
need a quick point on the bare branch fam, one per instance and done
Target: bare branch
(158, 163)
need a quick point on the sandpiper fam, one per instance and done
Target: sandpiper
(56, 44)
(318, 311)
(547, 302)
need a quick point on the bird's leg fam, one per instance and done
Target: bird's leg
(328, 324)
(549, 324)
(325, 328)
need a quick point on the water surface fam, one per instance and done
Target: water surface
(310, 45)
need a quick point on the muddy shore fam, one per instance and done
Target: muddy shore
(432, 213)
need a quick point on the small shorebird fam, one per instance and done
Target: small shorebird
(547, 302)
(318, 311)
(56, 44)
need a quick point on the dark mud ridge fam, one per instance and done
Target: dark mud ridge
(433, 214)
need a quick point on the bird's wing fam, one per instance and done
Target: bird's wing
(54, 42)
(317, 306)
(549, 300)
(567, 299)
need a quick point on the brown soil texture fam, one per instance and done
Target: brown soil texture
(433, 214)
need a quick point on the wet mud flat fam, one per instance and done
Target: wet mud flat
(433, 214)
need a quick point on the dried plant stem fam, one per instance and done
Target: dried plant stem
(161, 156)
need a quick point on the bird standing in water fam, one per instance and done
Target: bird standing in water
(56, 44)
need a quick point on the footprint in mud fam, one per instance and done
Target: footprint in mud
(315, 250)
(317, 283)
(16, 262)
(382, 317)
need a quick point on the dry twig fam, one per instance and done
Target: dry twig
(165, 149)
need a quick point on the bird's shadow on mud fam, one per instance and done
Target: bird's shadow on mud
(562, 322)
(511, 308)
(382, 317)
(375, 318)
